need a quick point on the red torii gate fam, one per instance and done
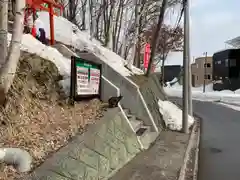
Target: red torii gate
(39, 5)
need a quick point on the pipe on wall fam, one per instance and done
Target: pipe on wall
(19, 158)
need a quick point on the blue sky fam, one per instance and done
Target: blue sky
(212, 23)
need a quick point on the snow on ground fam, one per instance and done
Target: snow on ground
(33, 46)
(80, 40)
(172, 115)
(234, 107)
(209, 95)
(64, 32)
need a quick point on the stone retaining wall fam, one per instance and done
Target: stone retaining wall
(96, 154)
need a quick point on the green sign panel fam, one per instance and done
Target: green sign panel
(85, 78)
(88, 78)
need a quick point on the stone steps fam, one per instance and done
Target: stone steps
(144, 133)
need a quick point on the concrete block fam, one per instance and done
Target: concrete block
(90, 174)
(132, 145)
(104, 167)
(114, 159)
(87, 156)
(98, 145)
(68, 167)
(48, 175)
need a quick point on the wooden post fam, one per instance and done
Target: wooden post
(51, 16)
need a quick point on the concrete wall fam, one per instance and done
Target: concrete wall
(97, 154)
(107, 90)
(131, 99)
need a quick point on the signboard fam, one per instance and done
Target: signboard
(85, 78)
(88, 78)
(146, 55)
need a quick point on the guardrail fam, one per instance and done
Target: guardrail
(143, 102)
(121, 109)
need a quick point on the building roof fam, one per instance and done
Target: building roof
(235, 42)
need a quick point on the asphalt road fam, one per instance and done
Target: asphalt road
(219, 157)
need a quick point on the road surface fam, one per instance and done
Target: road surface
(219, 157)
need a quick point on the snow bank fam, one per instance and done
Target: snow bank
(208, 87)
(33, 46)
(172, 115)
(69, 34)
(209, 95)
(234, 107)
(81, 40)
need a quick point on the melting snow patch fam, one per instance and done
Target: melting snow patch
(33, 46)
(69, 34)
(172, 115)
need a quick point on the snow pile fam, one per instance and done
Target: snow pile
(33, 46)
(172, 115)
(173, 82)
(69, 34)
(177, 86)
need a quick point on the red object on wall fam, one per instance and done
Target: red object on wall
(146, 55)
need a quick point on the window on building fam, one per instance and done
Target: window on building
(207, 76)
(226, 62)
(232, 62)
(208, 65)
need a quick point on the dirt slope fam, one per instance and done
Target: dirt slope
(36, 116)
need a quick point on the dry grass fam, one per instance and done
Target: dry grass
(36, 116)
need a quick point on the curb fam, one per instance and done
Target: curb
(193, 143)
(195, 169)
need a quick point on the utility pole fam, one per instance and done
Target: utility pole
(204, 76)
(186, 66)
(190, 111)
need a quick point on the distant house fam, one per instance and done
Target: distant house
(226, 69)
(226, 64)
(170, 72)
(202, 71)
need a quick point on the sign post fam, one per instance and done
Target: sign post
(85, 79)
(147, 51)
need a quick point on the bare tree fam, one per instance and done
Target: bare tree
(8, 69)
(83, 14)
(93, 16)
(126, 24)
(155, 36)
(3, 31)
(170, 39)
(137, 32)
(117, 24)
(72, 10)
(13, 156)
(108, 7)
